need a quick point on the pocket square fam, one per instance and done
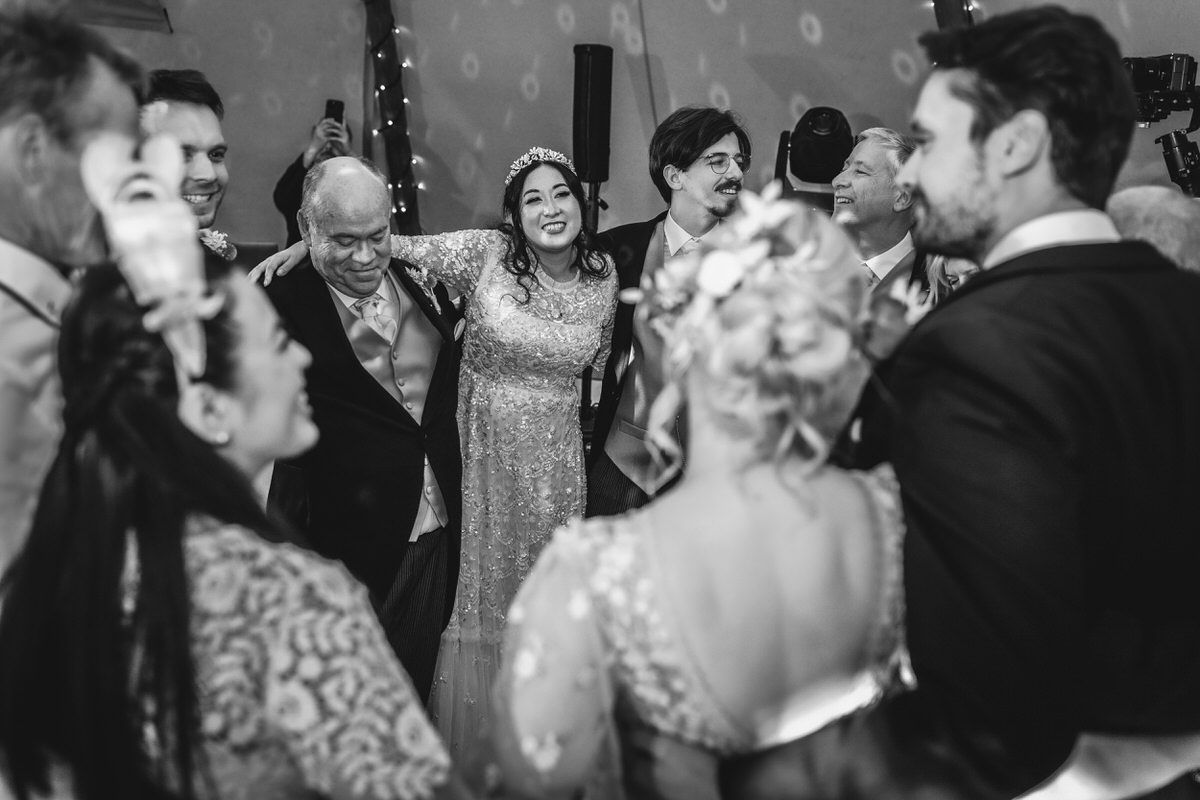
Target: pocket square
(459, 327)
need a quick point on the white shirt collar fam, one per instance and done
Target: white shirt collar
(1063, 227)
(385, 289)
(883, 263)
(34, 279)
(677, 237)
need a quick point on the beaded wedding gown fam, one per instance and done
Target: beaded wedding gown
(518, 418)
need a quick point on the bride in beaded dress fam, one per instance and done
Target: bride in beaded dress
(539, 309)
(761, 598)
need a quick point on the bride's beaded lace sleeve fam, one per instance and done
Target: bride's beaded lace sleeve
(296, 676)
(454, 258)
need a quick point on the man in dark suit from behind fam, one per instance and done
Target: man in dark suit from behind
(697, 157)
(381, 491)
(1046, 436)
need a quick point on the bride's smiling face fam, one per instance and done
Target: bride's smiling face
(551, 215)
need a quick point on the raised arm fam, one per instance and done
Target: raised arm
(455, 259)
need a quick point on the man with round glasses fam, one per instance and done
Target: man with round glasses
(697, 159)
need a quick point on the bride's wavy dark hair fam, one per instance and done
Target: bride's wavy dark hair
(519, 258)
(87, 673)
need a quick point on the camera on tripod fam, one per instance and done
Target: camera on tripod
(1165, 84)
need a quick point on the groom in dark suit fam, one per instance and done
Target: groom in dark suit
(697, 156)
(381, 491)
(1046, 435)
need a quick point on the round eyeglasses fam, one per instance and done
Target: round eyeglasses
(719, 162)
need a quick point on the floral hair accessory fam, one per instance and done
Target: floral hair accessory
(533, 156)
(153, 237)
(770, 246)
(767, 238)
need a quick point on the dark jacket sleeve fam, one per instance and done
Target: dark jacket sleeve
(287, 197)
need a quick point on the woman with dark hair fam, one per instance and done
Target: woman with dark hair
(539, 307)
(158, 636)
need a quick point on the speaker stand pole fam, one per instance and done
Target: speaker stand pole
(593, 217)
(593, 206)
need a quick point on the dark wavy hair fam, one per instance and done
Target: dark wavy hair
(84, 673)
(1063, 64)
(184, 86)
(683, 137)
(519, 258)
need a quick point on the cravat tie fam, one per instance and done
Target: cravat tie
(372, 311)
(689, 246)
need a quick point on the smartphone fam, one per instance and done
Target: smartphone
(334, 110)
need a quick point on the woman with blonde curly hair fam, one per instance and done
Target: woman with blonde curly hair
(761, 598)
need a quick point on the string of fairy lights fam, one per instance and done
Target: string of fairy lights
(390, 126)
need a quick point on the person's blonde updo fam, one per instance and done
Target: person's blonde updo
(763, 325)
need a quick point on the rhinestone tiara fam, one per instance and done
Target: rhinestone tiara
(534, 155)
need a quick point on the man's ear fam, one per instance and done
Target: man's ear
(902, 198)
(305, 230)
(207, 412)
(1023, 141)
(30, 141)
(673, 175)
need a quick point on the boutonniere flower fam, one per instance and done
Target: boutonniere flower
(890, 318)
(422, 278)
(219, 243)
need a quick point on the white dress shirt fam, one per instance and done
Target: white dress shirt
(677, 237)
(883, 263)
(1064, 227)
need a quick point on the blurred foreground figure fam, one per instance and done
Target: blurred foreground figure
(60, 85)
(158, 637)
(1046, 435)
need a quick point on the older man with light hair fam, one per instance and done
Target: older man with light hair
(875, 210)
(382, 489)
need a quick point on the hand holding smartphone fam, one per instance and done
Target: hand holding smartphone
(334, 110)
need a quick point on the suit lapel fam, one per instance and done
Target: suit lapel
(629, 254)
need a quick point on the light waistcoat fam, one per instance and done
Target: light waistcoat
(404, 368)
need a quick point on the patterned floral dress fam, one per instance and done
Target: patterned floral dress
(597, 654)
(299, 690)
(300, 693)
(518, 417)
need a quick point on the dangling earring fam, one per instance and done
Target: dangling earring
(220, 438)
